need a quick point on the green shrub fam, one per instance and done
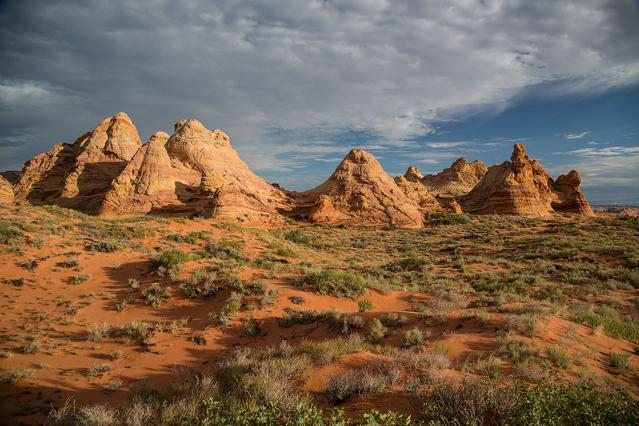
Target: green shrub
(619, 363)
(334, 283)
(170, 258)
(226, 249)
(393, 319)
(365, 305)
(376, 331)
(156, 295)
(106, 246)
(413, 337)
(446, 218)
(559, 357)
(9, 233)
(343, 323)
(412, 263)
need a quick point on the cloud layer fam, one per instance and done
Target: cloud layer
(291, 80)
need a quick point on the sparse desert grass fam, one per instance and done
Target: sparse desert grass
(560, 357)
(342, 387)
(226, 249)
(13, 376)
(619, 363)
(613, 323)
(99, 369)
(80, 278)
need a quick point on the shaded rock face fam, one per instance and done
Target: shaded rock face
(360, 192)
(78, 175)
(6, 191)
(569, 196)
(522, 187)
(418, 193)
(147, 181)
(456, 180)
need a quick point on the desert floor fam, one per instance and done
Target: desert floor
(95, 310)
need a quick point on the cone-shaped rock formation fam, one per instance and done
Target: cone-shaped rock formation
(360, 192)
(78, 175)
(456, 180)
(194, 171)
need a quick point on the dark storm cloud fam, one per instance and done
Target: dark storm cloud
(386, 68)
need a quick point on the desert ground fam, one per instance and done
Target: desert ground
(149, 320)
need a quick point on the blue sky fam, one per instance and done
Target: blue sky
(596, 133)
(296, 84)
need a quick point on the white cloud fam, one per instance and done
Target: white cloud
(610, 151)
(445, 144)
(571, 136)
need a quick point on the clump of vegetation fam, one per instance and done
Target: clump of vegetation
(31, 347)
(99, 369)
(299, 237)
(231, 307)
(226, 249)
(156, 295)
(619, 363)
(413, 337)
(251, 327)
(104, 246)
(13, 376)
(611, 321)
(201, 283)
(393, 319)
(365, 305)
(376, 331)
(9, 233)
(291, 317)
(447, 218)
(97, 332)
(297, 300)
(80, 278)
(343, 323)
(559, 357)
(342, 387)
(170, 258)
(199, 339)
(71, 262)
(412, 263)
(334, 283)
(524, 324)
(476, 403)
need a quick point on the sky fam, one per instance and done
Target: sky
(296, 84)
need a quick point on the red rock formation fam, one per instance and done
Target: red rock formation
(6, 191)
(360, 192)
(456, 180)
(522, 187)
(570, 197)
(195, 171)
(78, 175)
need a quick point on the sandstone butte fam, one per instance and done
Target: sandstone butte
(522, 187)
(108, 171)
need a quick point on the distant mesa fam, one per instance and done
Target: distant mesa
(196, 171)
